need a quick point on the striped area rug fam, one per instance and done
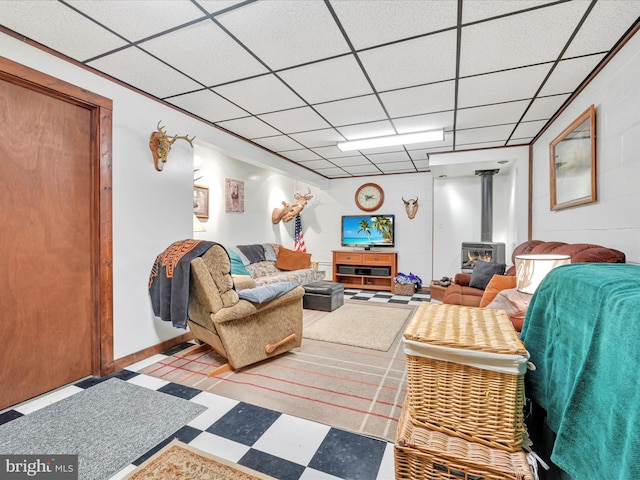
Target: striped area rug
(351, 388)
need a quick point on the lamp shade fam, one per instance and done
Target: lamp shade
(197, 225)
(531, 269)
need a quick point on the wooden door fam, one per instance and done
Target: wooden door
(50, 271)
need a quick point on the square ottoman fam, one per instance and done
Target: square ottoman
(325, 296)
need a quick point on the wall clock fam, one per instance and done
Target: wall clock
(369, 197)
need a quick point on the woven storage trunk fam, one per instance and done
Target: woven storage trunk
(465, 374)
(425, 454)
(405, 288)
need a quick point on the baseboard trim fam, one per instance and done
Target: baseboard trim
(124, 362)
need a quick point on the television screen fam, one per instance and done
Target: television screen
(368, 231)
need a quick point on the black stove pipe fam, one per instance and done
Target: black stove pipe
(486, 214)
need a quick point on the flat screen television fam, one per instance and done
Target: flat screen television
(367, 231)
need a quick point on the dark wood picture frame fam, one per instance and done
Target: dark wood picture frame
(201, 201)
(572, 157)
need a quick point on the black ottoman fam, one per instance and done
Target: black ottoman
(325, 296)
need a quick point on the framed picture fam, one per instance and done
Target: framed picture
(201, 201)
(573, 163)
(233, 195)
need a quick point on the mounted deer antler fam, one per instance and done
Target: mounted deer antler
(411, 206)
(289, 210)
(160, 145)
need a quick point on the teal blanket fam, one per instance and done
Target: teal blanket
(582, 330)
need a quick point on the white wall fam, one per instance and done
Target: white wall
(613, 221)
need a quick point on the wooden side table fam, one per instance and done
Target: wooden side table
(436, 291)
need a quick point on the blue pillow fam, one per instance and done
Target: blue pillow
(265, 293)
(237, 267)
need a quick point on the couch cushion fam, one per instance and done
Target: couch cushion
(265, 293)
(290, 260)
(262, 269)
(237, 265)
(483, 271)
(495, 286)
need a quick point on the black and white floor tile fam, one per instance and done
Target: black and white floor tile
(277, 444)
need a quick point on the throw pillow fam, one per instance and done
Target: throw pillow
(265, 293)
(495, 286)
(237, 267)
(514, 303)
(290, 260)
(255, 252)
(482, 273)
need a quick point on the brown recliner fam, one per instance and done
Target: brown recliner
(241, 331)
(460, 293)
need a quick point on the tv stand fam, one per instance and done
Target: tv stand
(366, 270)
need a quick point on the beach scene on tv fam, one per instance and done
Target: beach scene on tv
(367, 230)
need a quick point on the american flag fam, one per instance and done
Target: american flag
(298, 238)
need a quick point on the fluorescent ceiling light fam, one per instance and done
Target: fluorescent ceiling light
(403, 139)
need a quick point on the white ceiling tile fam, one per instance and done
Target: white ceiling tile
(213, 6)
(422, 164)
(382, 21)
(509, 112)
(533, 37)
(487, 134)
(422, 60)
(362, 170)
(313, 164)
(333, 79)
(295, 120)
(217, 58)
(144, 72)
(475, 146)
(568, 74)
(260, 95)
(249, 127)
(545, 107)
(44, 22)
(419, 123)
(268, 27)
(419, 100)
(474, 11)
(604, 26)
(125, 18)
(354, 110)
(208, 105)
(399, 167)
(351, 161)
(367, 130)
(518, 84)
(519, 141)
(528, 129)
(302, 155)
(388, 157)
(329, 152)
(333, 172)
(278, 144)
(318, 138)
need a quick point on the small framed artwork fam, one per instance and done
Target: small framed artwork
(573, 163)
(233, 195)
(201, 201)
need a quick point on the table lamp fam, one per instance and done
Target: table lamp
(531, 269)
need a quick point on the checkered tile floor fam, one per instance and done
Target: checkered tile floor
(268, 441)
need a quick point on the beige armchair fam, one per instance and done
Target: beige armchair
(241, 331)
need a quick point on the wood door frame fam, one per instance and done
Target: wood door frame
(101, 108)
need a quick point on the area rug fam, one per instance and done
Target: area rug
(361, 325)
(352, 388)
(108, 426)
(179, 460)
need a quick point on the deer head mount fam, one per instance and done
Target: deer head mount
(411, 207)
(160, 145)
(289, 210)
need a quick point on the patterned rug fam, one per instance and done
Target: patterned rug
(351, 388)
(179, 460)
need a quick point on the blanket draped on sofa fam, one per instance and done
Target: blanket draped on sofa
(581, 330)
(169, 280)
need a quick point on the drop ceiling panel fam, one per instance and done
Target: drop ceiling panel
(315, 164)
(351, 161)
(419, 100)
(475, 11)
(391, 157)
(383, 21)
(318, 138)
(422, 60)
(568, 74)
(399, 167)
(142, 71)
(207, 105)
(249, 127)
(361, 170)
(268, 27)
(295, 120)
(260, 95)
(367, 130)
(301, 155)
(527, 130)
(486, 134)
(424, 122)
(333, 79)
(545, 107)
(278, 144)
(354, 110)
(509, 112)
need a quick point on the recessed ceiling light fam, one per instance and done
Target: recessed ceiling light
(389, 140)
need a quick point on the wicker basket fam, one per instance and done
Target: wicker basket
(425, 454)
(465, 374)
(405, 288)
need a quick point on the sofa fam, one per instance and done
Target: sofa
(268, 263)
(503, 294)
